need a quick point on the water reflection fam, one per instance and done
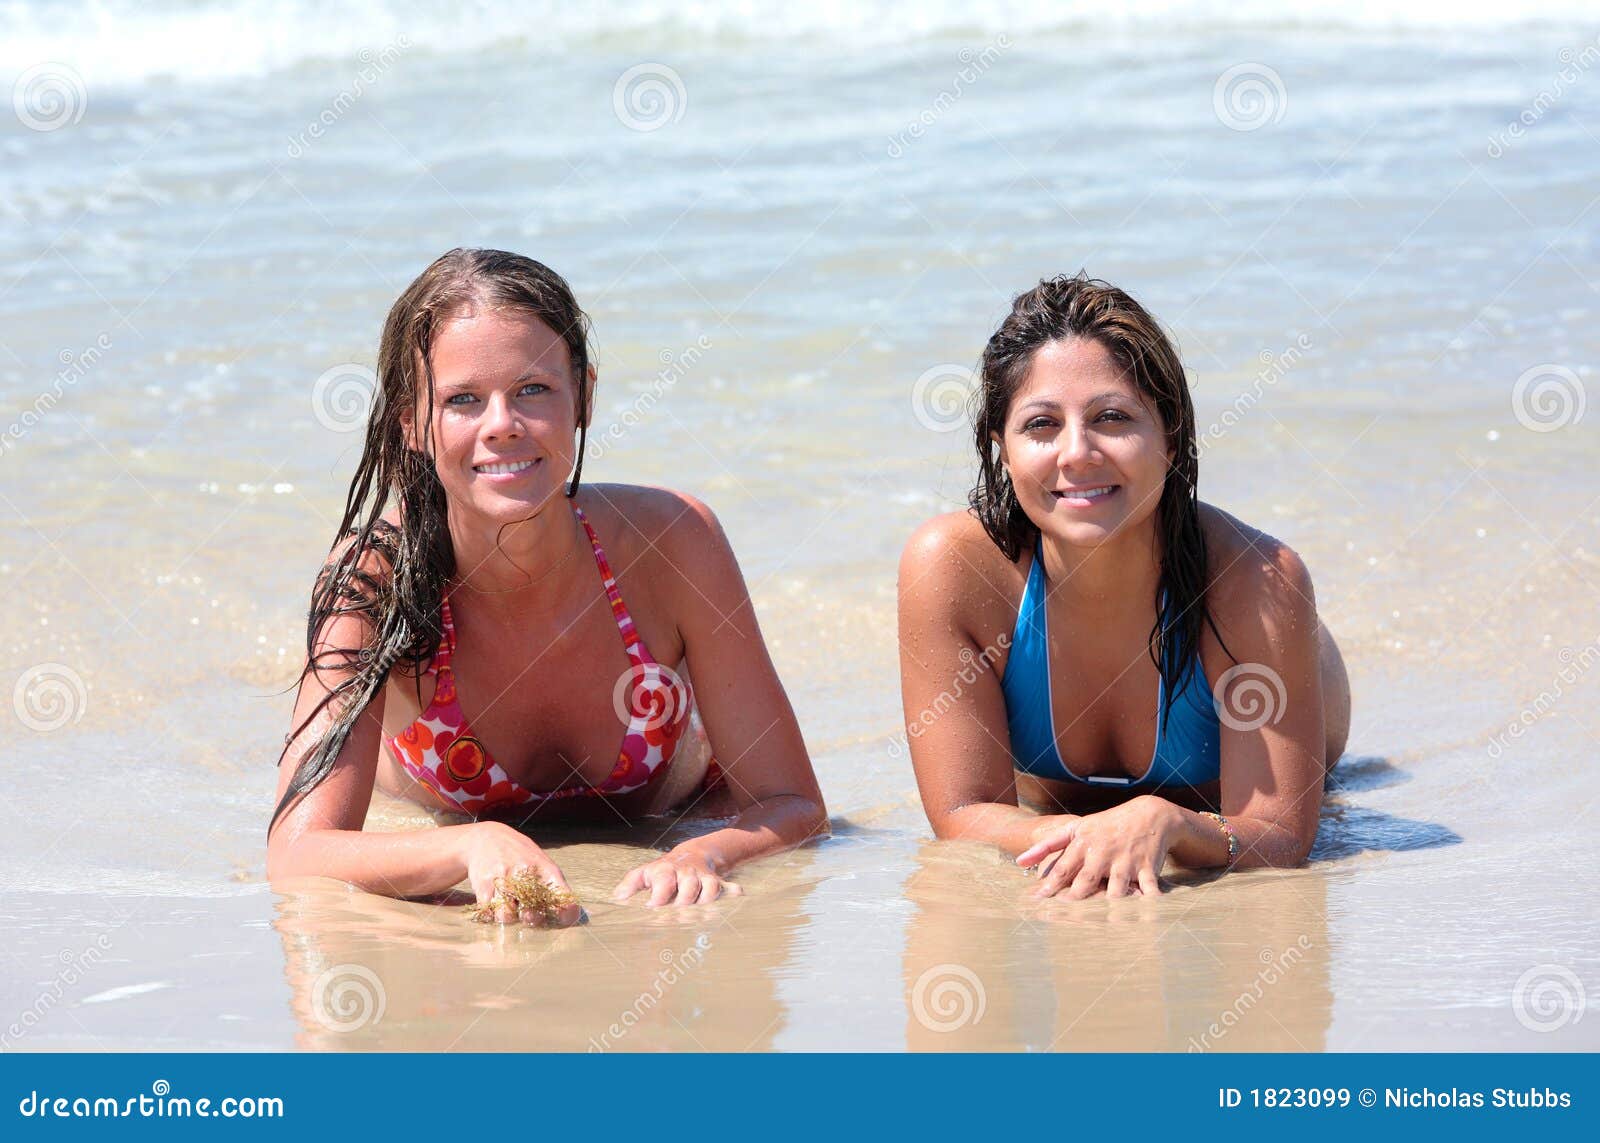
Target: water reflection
(371, 972)
(1237, 963)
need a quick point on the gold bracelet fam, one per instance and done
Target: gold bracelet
(1233, 838)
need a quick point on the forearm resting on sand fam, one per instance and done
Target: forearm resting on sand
(1012, 828)
(769, 826)
(1199, 842)
(410, 864)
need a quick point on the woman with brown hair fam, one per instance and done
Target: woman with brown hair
(469, 644)
(1146, 673)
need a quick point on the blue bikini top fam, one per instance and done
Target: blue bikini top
(1188, 750)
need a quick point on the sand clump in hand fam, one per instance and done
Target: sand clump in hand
(526, 890)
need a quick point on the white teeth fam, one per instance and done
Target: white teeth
(497, 469)
(1091, 494)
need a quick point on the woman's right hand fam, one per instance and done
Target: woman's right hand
(495, 850)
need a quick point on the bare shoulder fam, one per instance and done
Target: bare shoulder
(647, 520)
(375, 562)
(950, 565)
(1257, 581)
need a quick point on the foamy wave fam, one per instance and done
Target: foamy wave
(125, 41)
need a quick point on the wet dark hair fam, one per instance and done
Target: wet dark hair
(1059, 309)
(396, 577)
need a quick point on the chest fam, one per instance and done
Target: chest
(547, 699)
(1104, 693)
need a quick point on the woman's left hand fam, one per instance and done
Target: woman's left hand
(1122, 848)
(681, 877)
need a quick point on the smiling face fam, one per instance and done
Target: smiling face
(1087, 456)
(505, 412)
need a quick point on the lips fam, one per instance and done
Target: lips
(504, 467)
(1079, 497)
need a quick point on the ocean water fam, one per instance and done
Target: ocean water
(1372, 234)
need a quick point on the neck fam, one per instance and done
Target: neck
(516, 566)
(1121, 572)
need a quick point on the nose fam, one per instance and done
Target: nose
(500, 421)
(1076, 448)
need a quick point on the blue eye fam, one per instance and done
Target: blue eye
(539, 385)
(455, 398)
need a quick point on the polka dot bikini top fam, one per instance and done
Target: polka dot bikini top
(440, 750)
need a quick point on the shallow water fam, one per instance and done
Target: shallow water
(1391, 333)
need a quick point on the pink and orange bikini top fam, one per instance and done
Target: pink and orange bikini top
(440, 750)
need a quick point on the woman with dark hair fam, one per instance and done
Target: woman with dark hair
(469, 645)
(1145, 673)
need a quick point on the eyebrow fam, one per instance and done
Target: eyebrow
(1048, 403)
(527, 374)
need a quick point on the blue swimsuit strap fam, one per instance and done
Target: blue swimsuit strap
(1190, 732)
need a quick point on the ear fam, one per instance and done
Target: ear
(999, 440)
(408, 436)
(588, 395)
